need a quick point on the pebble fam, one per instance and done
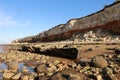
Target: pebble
(118, 56)
(110, 56)
(108, 70)
(49, 74)
(56, 62)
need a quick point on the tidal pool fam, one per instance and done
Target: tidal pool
(4, 66)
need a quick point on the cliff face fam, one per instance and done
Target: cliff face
(107, 19)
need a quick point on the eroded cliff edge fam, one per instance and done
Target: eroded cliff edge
(107, 19)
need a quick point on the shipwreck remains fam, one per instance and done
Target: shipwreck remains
(65, 52)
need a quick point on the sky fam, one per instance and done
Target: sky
(21, 18)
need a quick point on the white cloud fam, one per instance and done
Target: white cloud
(7, 20)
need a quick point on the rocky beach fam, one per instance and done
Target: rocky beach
(96, 61)
(86, 48)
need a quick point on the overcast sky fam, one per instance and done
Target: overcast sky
(21, 18)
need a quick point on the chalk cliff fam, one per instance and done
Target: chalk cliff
(107, 19)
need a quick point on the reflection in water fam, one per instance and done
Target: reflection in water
(4, 66)
(29, 68)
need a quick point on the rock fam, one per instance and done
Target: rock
(57, 77)
(100, 62)
(109, 70)
(74, 77)
(99, 77)
(25, 77)
(56, 62)
(53, 67)
(90, 49)
(68, 75)
(42, 78)
(84, 69)
(116, 70)
(117, 51)
(118, 76)
(49, 73)
(78, 66)
(24, 48)
(13, 65)
(113, 77)
(41, 68)
(16, 77)
(118, 56)
(74, 65)
(1, 71)
(8, 75)
(31, 78)
(24, 70)
(110, 56)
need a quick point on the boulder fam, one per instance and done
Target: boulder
(100, 62)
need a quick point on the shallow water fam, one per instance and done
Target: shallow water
(29, 68)
(1, 50)
(4, 66)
